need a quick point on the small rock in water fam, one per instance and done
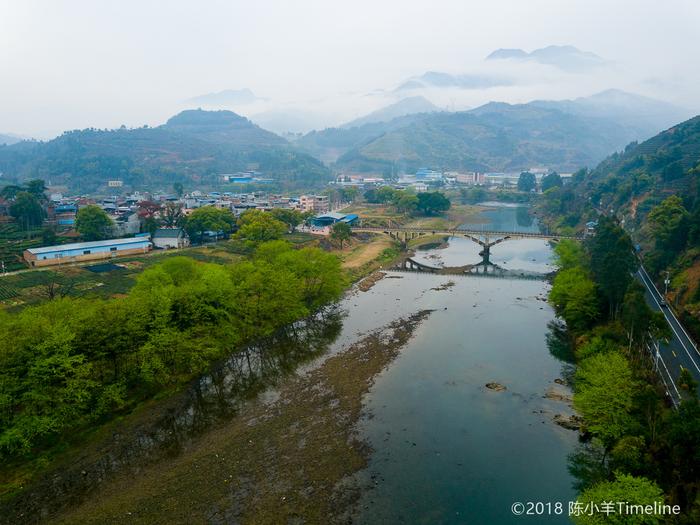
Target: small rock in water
(569, 422)
(497, 387)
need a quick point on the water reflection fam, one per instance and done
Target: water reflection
(211, 399)
(219, 394)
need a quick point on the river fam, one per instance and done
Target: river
(442, 448)
(445, 448)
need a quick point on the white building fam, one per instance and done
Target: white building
(169, 238)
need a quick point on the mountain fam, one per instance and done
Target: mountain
(405, 106)
(439, 79)
(507, 54)
(9, 139)
(642, 116)
(223, 126)
(225, 98)
(632, 183)
(289, 120)
(567, 58)
(650, 170)
(331, 143)
(191, 147)
(563, 135)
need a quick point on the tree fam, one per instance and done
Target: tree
(209, 219)
(292, 218)
(612, 262)
(172, 215)
(527, 181)
(639, 320)
(37, 187)
(570, 254)
(669, 224)
(551, 180)
(575, 298)
(178, 189)
(341, 232)
(260, 226)
(27, 210)
(434, 202)
(10, 191)
(625, 488)
(406, 203)
(604, 395)
(48, 236)
(349, 193)
(385, 194)
(93, 223)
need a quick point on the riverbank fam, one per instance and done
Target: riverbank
(279, 459)
(94, 447)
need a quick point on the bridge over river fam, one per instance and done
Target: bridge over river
(485, 238)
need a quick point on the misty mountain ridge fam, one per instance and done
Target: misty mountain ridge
(192, 147)
(405, 106)
(497, 136)
(9, 138)
(440, 79)
(567, 57)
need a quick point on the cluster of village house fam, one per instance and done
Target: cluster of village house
(123, 210)
(424, 179)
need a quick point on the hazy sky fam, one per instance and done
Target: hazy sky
(69, 64)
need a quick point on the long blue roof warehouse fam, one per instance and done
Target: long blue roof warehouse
(86, 251)
(328, 219)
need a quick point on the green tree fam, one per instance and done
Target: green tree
(551, 180)
(209, 218)
(93, 223)
(575, 299)
(179, 189)
(669, 223)
(27, 210)
(527, 181)
(406, 203)
(604, 395)
(260, 226)
(10, 191)
(319, 272)
(612, 262)
(625, 488)
(349, 193)
(431, 203)
(341, 232)
(37, 187)
(385, 194)
(48, 236)
(570, 254)
(292, 218)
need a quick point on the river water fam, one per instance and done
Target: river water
(445, 448)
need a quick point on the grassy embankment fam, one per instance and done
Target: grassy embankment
(274, 463)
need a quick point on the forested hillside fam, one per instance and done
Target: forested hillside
(193, 146)
(654, 189)
(562, 135)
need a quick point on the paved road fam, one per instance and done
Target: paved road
(680, 351)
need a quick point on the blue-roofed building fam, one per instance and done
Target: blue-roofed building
(329, 219)
(86, 251)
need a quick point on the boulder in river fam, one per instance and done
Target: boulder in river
(572, 422)
(496, 387)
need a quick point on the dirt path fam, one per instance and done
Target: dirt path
(276, 462)
(362, 254)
